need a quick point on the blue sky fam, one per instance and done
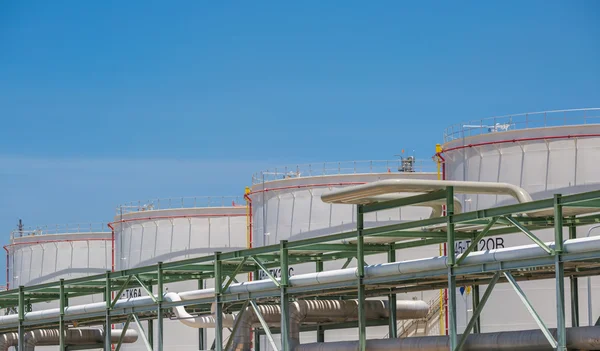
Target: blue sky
(107, 102)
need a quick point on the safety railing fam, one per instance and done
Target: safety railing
(406, 164)
(556, 118)
(180, 202)
(48, 229)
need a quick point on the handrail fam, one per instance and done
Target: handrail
(344, 167)
(519, 121)
(180, 202)
(53, 229)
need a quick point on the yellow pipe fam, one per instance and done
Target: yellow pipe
(438, 149)
(248, 214)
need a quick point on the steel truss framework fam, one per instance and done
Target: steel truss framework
(224, 267)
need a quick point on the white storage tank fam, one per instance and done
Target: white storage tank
(287, 205)
(48, 253)
(544, 153)
(44, 254)
(164, 230)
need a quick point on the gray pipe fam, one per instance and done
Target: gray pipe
(583, 338)
(74, 336)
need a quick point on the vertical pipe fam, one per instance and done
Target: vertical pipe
(21, 329)
(320, 330)
(107, 300)
(201, 339)
(285, 305)
(392, 325)
(559, 275)
(574, 287)
(360, 258)
(61, 317)
(159, 298)
(451, 261)
(256, 334)
(218, 304)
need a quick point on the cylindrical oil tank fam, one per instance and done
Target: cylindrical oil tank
(287, 205)
(545, 153)
(164, 230)
(48, 253)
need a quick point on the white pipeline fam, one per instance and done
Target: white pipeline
(361, 194)
(313, 279)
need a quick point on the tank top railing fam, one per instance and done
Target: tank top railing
(556, 118)
(180, 202)
(52, 229)
(404, 164)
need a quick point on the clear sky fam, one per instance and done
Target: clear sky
(111, 101)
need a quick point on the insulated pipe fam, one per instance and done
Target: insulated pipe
(74, 336)
(580, 245)
(321, 311)
(583, 338)
(356, 194)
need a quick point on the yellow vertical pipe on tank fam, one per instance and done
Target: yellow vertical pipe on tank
(438, 149)
(248, 224)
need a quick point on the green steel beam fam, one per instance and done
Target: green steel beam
(347, 263)
(411, 200)
(531, 310)
(343, 247)
(122, 337)
(264, 325)
(561, 324)
(150, 294)
(393, 322)
(142, 332)
(285, 301)
(61, 318)
(236, 325)
(475, 241)
(529, 234)
(218, 304)
(235, 272)
(160, 290)
(477, 312)
(451, 258)
(265, 270)
(360, 262)
(118, 294)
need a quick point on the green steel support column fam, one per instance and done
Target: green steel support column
(201, 339)
(61, 318)
(574, 287)
(360, 258)
(108, 300)
(476, 297)
(256, 276)
(21, 329)
(393, 323)
(451, 262)
(151, 321)
(320, 330)
(285, 303)
(218, 304)
(561, 331)
(160, 289)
